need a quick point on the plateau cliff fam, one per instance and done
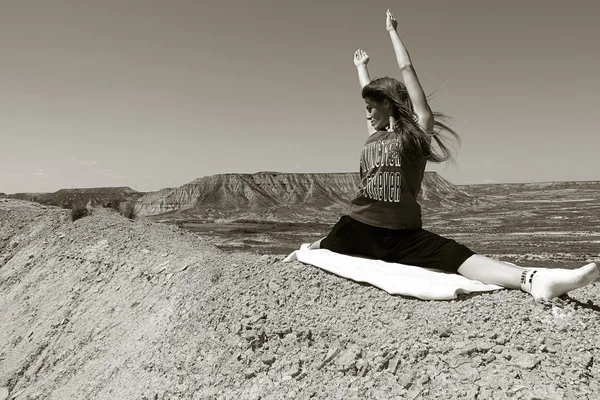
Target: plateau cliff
(277, 196)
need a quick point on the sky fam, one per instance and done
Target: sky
(153, 94)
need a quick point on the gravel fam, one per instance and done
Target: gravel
(105, 307)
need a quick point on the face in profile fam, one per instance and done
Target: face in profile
(378, 113)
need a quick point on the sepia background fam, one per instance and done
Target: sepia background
(153, 94)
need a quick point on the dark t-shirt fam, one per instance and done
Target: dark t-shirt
(390, 185)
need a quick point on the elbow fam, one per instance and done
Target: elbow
(405, 67)
(426, 119)
(428, 114)
(424, 112)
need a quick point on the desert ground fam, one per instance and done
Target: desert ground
(540, 226)
(106, 307)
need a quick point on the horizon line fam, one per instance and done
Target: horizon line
(299, 173)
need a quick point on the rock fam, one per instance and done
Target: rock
(445, 349)
(497, 349)
(442, 332)
(289, 339)
(362, 366)
(553, 349)
(586, 360)
(3, 393)
(489, 358)
(484, 347)
(294, 371)
(420, 353)
(256, 338)
(249, 373)
(268, 358)
(468, 350)
(467, 372)
(394, 364)
(250, 335)
(283, 331)
(348, 358)
(526, 361)
(501, 341)
(331, 354)
(548, 393)
(256, 318)
(531, 348)
(406, 379)
(17, 394)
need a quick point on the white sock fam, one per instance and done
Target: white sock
(546, 283)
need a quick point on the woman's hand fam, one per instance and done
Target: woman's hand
(390, 21)
(361, 58)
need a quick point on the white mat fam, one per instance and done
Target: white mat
(406, 280)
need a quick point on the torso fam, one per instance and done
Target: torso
(390, 185)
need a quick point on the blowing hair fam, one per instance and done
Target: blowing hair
(416, 143)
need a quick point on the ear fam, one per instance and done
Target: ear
(387, 104)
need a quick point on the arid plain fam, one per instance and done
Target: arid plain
(553, 224)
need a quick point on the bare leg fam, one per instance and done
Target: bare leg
(487, 270)
(539, 282)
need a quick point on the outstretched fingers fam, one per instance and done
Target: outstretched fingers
(390, 21)
(360, 57)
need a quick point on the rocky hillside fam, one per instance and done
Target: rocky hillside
(272, 195)
(101, 196)
(110, 308)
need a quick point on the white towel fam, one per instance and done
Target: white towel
(394, 278)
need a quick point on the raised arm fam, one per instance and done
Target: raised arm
(413, 86)
(361, 59)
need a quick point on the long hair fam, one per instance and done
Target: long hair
(415, 142)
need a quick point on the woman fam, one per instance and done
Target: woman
(385, 219)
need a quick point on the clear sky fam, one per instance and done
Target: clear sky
(152, 94)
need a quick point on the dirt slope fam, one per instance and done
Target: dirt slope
(108, 308)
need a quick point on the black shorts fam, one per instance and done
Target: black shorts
(406, 246)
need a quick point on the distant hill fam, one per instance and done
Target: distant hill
(279, 196)
(263, 196)
(507, 188)
(101, 196)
